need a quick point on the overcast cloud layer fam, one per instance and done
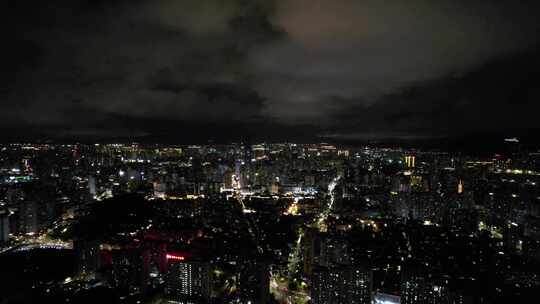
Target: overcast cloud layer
(338, 69)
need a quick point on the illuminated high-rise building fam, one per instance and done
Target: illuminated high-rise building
(513, 235)
(259, 151)
(248, 151)
(4, 226)
(237, 182)
(28, 216)
(410, 161)
(160, 189)
(88, 257)
(92, 185)
(312, 249)
(253, 282)
(187, 281)
(417, 289)
(423, 288)
(338, 285)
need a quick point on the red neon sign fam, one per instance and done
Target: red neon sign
(175, 257)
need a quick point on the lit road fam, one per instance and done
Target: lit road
(280, 287)
(295, 256)
(251, 227)
(32, 246)
(324, 214)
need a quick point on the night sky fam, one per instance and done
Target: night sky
(199, 70)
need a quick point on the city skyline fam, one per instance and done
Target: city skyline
(269, 151)
(286, 223)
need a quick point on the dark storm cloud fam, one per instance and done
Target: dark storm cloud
(360, 50)
(500, 96)
(117, 58)
(339, 68)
